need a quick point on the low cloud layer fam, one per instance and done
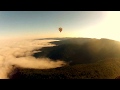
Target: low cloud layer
(19, 53)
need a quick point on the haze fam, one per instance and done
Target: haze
(19, 29)
(42, 24)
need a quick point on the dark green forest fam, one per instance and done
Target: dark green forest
(87, 58)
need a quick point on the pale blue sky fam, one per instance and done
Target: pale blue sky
(46, 23)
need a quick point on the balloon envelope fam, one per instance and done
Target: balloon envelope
(60, 29)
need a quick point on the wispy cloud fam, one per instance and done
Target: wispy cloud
(19, 53)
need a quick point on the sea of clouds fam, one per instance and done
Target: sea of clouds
(19, 53)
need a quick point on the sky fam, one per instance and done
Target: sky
(44, 24)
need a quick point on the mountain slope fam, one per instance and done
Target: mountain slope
(106, 69)
(87, 59)
(81, 50)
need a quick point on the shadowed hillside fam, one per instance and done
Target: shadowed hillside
(107, 69)
(87, 59)
(81, 50)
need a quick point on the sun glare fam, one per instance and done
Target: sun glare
(107, 28)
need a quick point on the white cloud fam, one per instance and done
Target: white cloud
(19, 53)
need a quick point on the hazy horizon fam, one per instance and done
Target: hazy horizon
(19, 31)
(45, 24)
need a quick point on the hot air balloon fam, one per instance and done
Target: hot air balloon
(60, 29)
